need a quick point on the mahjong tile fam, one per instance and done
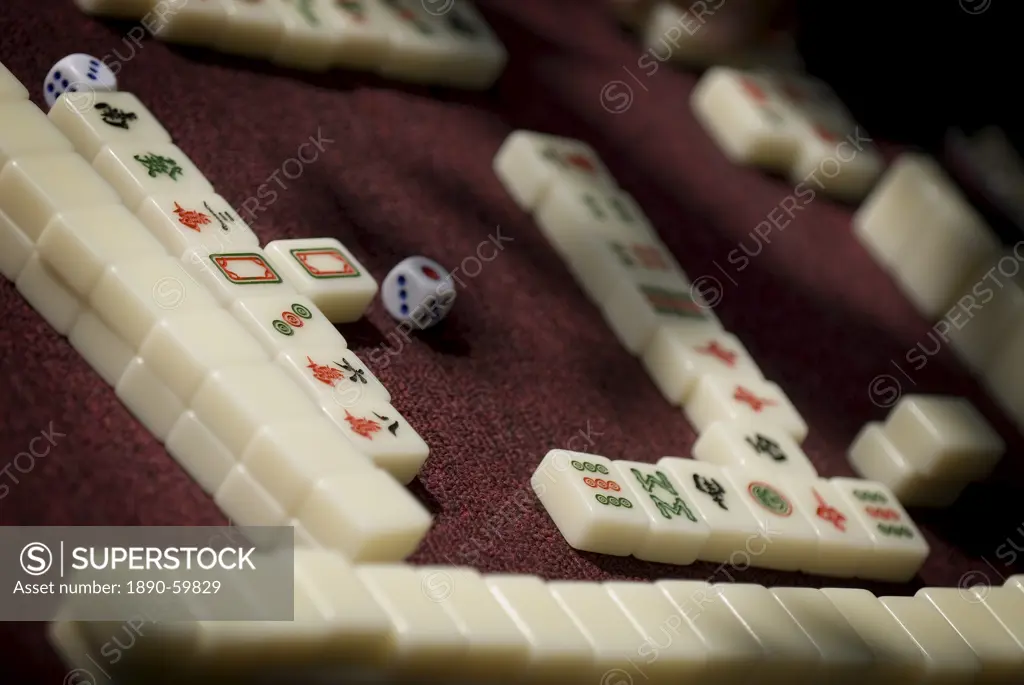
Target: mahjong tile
(719, 398)
(15, 248)
(286, 322)
(477, 57)
(571, 215)
(990, 309)
(599, 263)
(193, 23)
(332, 376)
(753, 444)
(236, 402)
(254, 28)
(899, 547)
(288, 458)
(419, 43)
(140, 169)
(111, 119)
(200, 453)
(246, 502)
(1006, 604)
(947, 657)
(675, 533)
(364, 43)
(1015, 582)
(840, 160)
(791, 540)
(376, 429)
(33, 189)
(132, 297)
(312, 32)
(592, 510)
(24, 130)
(559, 651)
(843, 540)
(106, 353)
(233, 276)
(148, 398)
(181, 222)
(323, 270)
(635, 310)
(736, 535)
(48, 293)
(529, 163)
(676, 357)
(11, 89)
(186, 346)
(80, 244)
(365, 514)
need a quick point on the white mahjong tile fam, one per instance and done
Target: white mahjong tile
(793, 655)
(733, 653)
(898, 658)
(675, 532)
(80, 244)
(748, 118)
(138, 170)
(572, 215)
(676, 357)
(132, 297)
(313, 31)
(193, 22)
(111, 119)
(288, 457)
(332, 376)
(599, 262)
(1006, 604)
(200, 453)
(25, 130)
(635, 310)
(237, 401)
(670, 651)
(899, 547)
(718, 398)
(366, 514)
(791, 541)
(843, 540)
(323, 270)
(107, 354)
(246, 502)
(33, 189)
(303, 538)
(529, 163)
(148, 399)
(496, 650)
(15, 248)
(231, 276)
(755, 445)
(559, 651)
(364, 43)
(424, 640)
(590, 508)
(376, 429)
(286, 322)
(185, 347)
(48, 293)
(989, 310)
(11, 89)
(611, 634)
(944, 437)
(419, 44)
(844, 657)
(181, 222)
(476, 56)
(947, 657)
(254, 28)
(1000, 657)
(736, 535)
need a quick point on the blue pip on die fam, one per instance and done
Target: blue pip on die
(78, 73)
(419, 291)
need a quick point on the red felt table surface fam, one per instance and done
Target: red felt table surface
(524, 363)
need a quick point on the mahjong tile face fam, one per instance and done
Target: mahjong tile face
(721, 398)
(314, 30)
(635, 311)
(599, 262)
(332, 377)
(754, 445)
(283, 321)
(185, 221)
(571, 216)
(110, 119)
(376, 429)
(254, 28)
(678, 356)
(140, 170)
(230, 276)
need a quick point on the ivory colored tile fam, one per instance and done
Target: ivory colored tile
(598, 264)
(1016, 582)
(424, 639)
(675, 532)
(110, 118)
(791, 653)
(182, 221)
(11, 89)
(736, 537)
(15, 248)
(1002, 376)
(1001, 658)
(559, 651)
(571, 216)
(677, 357)
(671, 651)
(476, 57)
(49, 295)
(635, 311)
(948, 659)
(193, 23)
(843, 540)
(233, 276)
(25, 130)
(1007, 605)
(379, 431)
(365, 43)
(753, 445)
(987, 310)
(254, 28)
(332, 376)
(844, 657)
(107, 354)
(247, 503)
(496, 650)
(898, 660)
(592, 510)
(139, 170)
(203, 456)
(283, 322)
(717, 398)
(148, 399)
(313, 33)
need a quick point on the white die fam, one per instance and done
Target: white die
(78, 73)
(418, 290)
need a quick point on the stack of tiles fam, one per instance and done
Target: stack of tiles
(928, 450)
(681, 510)
(791, 125)
(449, 624)
(440, 43)
(224, 351)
